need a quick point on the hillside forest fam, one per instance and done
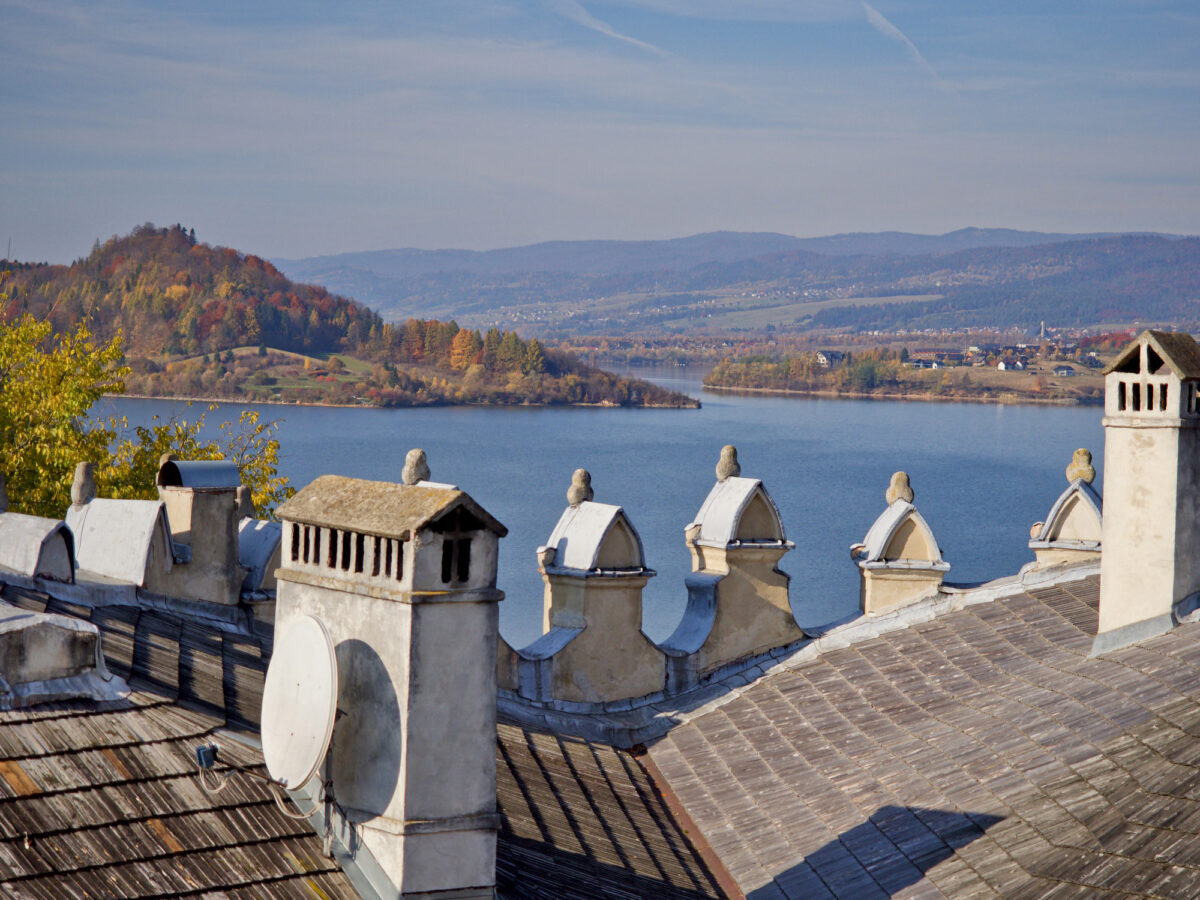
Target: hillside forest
(199, 320)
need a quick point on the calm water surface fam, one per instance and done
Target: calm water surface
(982, 474)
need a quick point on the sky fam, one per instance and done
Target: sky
(298, 128)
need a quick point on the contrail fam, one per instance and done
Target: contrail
(574, 11)
(880, 23)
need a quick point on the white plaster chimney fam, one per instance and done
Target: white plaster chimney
(404, 579)
(1149, 567)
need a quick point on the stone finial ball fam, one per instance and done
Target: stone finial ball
(1081, 468)
(416, 467)
(727, 465)
(580, 490)
(899, 489)
(83, 488)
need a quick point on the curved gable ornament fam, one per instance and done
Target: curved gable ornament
(1074, 526)
(1074, 521)
(899, 561)
(594, 538)
(890, 541)
(738, 510)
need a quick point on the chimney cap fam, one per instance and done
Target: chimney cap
(199, 473)
(380, 507)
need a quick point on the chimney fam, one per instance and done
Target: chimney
(1149, 569)
(201, 500)
(403, 576)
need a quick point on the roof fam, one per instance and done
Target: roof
(113, 537)
(378, 507)
(580, 532)
(22, 538)
(105, 802)
(200, 473)
(983, 753)
(578, 820)
(103, 799)
(1178, 349)
(582, 820)
(721, 510)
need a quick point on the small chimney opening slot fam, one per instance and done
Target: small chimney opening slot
(375, 560)
(316, 554)
(462, 549)
(1120, 396)
(1137, 397)
(1162, 398)
(399, 560)
(345, 554)
(331, 559)
(295, 542)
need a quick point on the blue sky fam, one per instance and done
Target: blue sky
(290, 129)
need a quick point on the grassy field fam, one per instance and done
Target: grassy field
(731, 314)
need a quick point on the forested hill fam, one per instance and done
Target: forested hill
(171, 295)
(183, 307)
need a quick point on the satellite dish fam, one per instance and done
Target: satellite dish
(299, 702)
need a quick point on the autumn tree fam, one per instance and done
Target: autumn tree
(48, 386)
(464, 347)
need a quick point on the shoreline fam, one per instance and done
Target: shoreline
(1011, 399)
(258, 402)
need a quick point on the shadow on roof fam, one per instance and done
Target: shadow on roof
(881, 857)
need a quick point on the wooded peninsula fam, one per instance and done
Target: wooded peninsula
(204, 321)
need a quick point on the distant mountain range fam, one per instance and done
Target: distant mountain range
(622, 257)
(748, 281)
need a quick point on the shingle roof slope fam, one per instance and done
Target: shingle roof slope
(980, 754)
(582, 820)
(105, 803)
(103, 800)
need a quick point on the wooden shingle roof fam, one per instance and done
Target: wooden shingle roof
(109, 800)
(981, 754)
(582, 820)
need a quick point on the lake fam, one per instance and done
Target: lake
(983, 473)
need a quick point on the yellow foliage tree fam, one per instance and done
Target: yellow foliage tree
(48, 386)
(463, 349)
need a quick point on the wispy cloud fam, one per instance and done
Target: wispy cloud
(573, 11)
(881, 24)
